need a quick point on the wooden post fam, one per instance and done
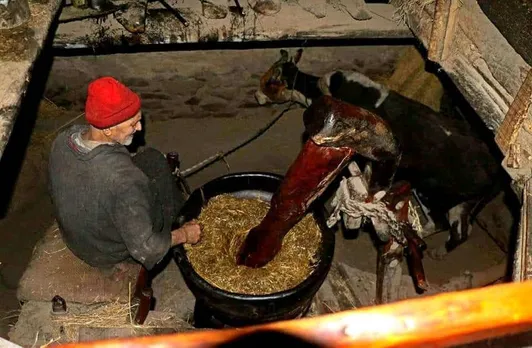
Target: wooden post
(515, 117)
(443, 25)
(522, 267)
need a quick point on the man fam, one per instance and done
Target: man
(111, 206)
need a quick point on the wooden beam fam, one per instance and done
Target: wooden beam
(441, 321)
(295, 21)
(19, 48)
(469, 48)
(439, 27)
(516, 115)
(445, 14)
(522, 267)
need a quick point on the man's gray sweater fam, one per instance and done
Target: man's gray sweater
(103, 204)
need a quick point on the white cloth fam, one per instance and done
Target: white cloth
(349, 204)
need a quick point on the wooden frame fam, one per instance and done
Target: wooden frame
(522, 267)
(437, 321)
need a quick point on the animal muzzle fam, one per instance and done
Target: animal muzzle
(262, 98)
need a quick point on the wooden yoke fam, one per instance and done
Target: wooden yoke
(337, 131)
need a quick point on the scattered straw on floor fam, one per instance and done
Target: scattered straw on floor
(108, 315)
(225, 222)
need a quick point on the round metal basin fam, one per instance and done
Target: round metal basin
(234, 309)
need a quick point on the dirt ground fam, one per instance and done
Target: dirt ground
(196, 138)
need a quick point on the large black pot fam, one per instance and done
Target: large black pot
(233, 309)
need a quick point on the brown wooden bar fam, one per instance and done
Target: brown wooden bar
(437, 321)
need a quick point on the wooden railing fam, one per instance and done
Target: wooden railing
(437, 321)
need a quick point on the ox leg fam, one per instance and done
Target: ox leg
(459, 232)
(382, 174)
(389, 273)
(460, 226)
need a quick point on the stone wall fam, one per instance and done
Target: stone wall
(203, 83)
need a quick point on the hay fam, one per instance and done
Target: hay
(404, 8)
(114, 314)
(108, 315)
(411, 80)
(225, 222)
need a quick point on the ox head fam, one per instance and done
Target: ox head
(331, 122)
(276, 83)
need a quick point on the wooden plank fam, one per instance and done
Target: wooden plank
(341, 288)
(441, 320)
(19, 47)
(522, 267)
(516, 115)
(312, 19)
(445, 14)
(89, 334)
(439, 29)
(479, 60)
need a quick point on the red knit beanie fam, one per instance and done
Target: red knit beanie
(109, 103)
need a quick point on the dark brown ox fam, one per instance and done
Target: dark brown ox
(452, 171)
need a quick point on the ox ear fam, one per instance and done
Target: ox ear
(284, 56)
(298, 55)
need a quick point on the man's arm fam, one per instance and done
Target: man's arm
(131, 216)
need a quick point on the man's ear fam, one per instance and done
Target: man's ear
(107, 131)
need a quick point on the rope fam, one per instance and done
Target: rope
(64, 125)
(222, 154)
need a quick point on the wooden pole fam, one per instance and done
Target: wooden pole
(516, 116)
(443, 24)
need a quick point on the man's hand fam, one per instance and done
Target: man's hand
(190, 233)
